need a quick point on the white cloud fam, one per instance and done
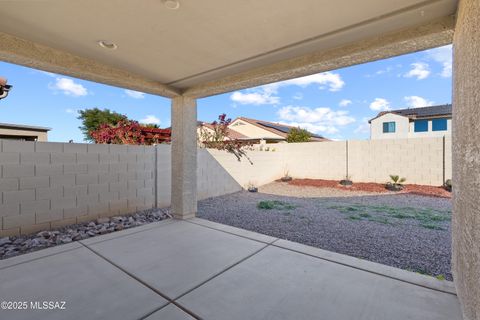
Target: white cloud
(135, 94)
(345, 102)
(417, 102)
(380, 104)
(71, 111)
(317, 120)
(268, 94)
(442, 55)
(327, 79)
(69, 87)
(255, 98)
(364, 126)
(420, 70)
(150, 119)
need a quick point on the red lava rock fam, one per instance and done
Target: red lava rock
(431, 191)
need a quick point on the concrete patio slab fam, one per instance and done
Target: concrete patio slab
(170, 312)
(177, 257)
(38, 254)
(281, 284)
(236, 231)
(395, 273)
(90, 287)
(183, 270)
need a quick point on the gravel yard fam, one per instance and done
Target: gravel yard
(407, 231)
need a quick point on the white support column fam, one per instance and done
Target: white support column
(184, 157)
(466, 158)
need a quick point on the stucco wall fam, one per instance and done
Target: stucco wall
(401, 127)
(40, 135)
(404, 128)
(466, 158)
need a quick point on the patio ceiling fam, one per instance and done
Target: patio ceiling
(213, 46)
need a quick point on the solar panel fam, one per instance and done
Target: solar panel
(284, 129)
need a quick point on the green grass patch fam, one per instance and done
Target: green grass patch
(354, 218)
(426, 217)
(274, 205)
(431, 226)
(440, 277)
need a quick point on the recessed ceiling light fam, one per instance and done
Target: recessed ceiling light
(171, 4)
(107, 44)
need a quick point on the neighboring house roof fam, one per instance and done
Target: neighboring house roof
(277, 128)
(419, 113)
(232, 134)
(23, 127)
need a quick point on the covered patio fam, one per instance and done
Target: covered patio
(196, 269)
(186, 50)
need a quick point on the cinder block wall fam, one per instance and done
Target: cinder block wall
(419, 160)
(46, 184)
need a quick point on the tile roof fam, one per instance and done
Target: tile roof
(277, 128)
(425, 112)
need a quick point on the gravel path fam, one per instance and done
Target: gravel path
(14, 246)
(375, 228)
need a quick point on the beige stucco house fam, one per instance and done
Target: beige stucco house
(10, 131)
(270, 132)
(433, 121)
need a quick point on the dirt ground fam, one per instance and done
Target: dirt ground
(371, 187)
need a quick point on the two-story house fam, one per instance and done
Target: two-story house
(434, 121)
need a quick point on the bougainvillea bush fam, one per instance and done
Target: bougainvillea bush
(217, 137)
(130, 132)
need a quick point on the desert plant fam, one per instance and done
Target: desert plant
(251, 187)
(286, 177)
(298, 135)
(448, 185)
(396, 183)
(346, 181)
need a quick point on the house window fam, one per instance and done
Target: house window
(421, 125)
(388, 127)
(439, 124)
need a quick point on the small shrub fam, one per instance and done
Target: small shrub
(298, 135)
(396, 183)
(251, 187)
(274, 204)
(448, 185)
(440, 277)
(286, 177)
(346, 181)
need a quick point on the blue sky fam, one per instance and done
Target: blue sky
(335, 104)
